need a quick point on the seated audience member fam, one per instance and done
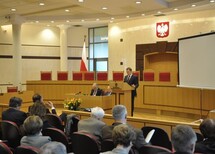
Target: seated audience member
(108, 91)
(96, 91)
(13, 113)
(53, 148)
(207, 128)
(33, 126)
(119, 114)
(39, 109)
(94, 124)
(49, 104)
(122, 138)
(183, 139)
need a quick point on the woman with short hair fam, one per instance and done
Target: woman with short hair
(32, 127)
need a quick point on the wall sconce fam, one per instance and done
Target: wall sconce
(5, 28)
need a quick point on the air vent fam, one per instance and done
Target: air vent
(159, 15)
(77, 25)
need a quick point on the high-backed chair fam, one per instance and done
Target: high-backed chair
(107, 145)
(12, 89)
(46, 75)
(83, 143)
(4, 149)
(24, 149)
(62, 75)
(11, 133)
(164, 76)
(159, 138)
(151, 149)
(77, 75)
(137, 74)
(148, 76)
(89, 76)
(118, 75)
(55, 121)
(57, 135)
(102, 76)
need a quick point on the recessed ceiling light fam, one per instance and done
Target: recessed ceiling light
(37, 21)
(193, 5)
(159, 12)
(81, 1)
(41, 4)
(13, 10)
(48, 25)
(212, 1)
(175, 9)
(138, 2)
(112, 18)
(82, 20)
(127, 16)
(67, 21)
(52, 21)
(104, 8)
(97, 19)
(67, 10)
(142, 14)
(111, 21)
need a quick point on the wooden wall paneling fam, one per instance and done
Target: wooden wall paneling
(208, 99)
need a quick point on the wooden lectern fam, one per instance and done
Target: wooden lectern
(122, 90)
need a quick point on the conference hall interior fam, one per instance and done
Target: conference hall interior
(107, 76)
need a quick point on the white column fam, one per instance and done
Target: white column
(63, 47)
(16, 31)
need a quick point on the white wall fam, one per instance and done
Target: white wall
(39, 41)
(142, 31)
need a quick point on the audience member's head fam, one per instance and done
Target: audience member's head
(38, 109)
(53, 148)
(97, 113)
(183, 139)
(123, 135)
(37, 98)
(119, 113)
(33, 125)
(207, 128)
(15, 102)
(94, 86)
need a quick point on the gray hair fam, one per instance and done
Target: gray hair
(119, 112)
(183, 139)
(53, 148)
(97, 112)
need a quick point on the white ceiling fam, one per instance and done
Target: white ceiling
(90, 10)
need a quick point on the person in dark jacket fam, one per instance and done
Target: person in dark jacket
(13, 113)
(207, 128)
(96, 91)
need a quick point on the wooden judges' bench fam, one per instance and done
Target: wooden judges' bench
(137, 122)
(154, 98)
(26, 97)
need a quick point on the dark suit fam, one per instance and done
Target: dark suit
(138, 143)
(207, 146)
(132, 81)
(14, 115)
(99, 92)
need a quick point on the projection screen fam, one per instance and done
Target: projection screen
(197, 61)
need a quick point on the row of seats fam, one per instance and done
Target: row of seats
(10, 132)
(103, 76)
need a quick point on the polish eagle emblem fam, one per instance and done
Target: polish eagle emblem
(162, 29)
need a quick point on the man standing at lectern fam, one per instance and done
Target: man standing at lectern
(132, 81)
